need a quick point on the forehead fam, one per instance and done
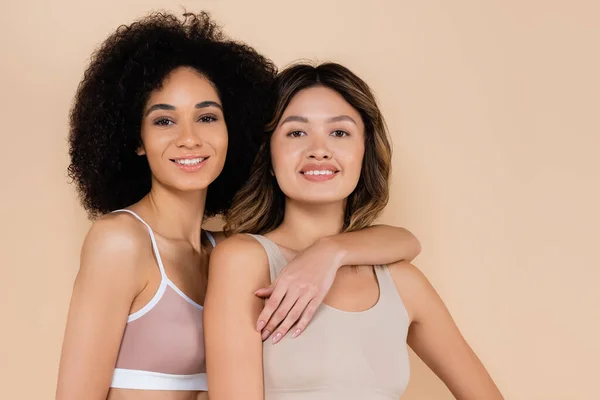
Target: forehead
(320, 103)
(184, 85)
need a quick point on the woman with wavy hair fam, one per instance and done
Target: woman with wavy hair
(164, 127)
(324, 170)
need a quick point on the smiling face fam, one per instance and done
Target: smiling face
(184, 135)
(318, 147)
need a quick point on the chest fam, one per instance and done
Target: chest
(186, 267)
(362, 352)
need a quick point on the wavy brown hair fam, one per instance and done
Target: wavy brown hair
(260, 205)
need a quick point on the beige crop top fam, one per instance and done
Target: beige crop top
(341, 355)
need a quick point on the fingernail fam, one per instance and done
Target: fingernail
(296, 333)
(265, 335)
(260, 325)
(276, 338)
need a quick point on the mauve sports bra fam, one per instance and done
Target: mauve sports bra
(163, 343)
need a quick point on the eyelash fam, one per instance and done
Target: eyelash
(344, 133)
(334, 133)
(211, 117)
(161, 121)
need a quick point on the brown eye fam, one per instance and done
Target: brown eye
(163, 122)
(207, 119)
(295, 134)
(340, 133)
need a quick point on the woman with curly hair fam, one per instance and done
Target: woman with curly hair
(164, 128)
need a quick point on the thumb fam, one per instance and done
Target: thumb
(265, 292)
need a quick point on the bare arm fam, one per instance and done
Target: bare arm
(377, 244)
(107, 282)
(436, 339)
(305, 281)
(238, 266)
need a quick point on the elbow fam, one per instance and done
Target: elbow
(415, 247)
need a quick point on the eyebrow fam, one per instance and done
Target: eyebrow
(342, 118)
(297, 118)
(168, 107)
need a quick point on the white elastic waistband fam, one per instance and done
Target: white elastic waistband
(147, 380)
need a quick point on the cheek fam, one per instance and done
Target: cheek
(353, 160)
(154, 143)
(284, 155)
(221, 141)
(352, 152)
(217, 140)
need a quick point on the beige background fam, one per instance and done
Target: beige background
(493, 110)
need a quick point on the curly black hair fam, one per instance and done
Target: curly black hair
(106, 117)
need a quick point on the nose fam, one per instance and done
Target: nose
(319, 150)
(188, 137)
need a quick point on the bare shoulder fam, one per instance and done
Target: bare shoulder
(116, 244)
(117, 233)
(239, 248)
(413, 286)
(405, 273)
(239, 263)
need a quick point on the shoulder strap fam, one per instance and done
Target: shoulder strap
(276, 259)
(387, 288)
(152, 238)
(211, 239)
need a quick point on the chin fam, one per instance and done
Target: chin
(192, 185)
(320, 199)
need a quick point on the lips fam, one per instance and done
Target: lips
(319, 172)
(190, 162)
(319, 169)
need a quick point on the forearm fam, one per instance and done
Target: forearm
(379, 244)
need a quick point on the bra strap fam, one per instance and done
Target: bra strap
(152, 238)
(211, 239)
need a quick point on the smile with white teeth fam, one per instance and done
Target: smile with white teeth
(189, 161)
(319, 172)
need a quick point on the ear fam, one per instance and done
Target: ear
(140, 151)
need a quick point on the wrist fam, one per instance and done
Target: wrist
(334, 249)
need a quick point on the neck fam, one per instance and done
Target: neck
(176, 214)
(306, 223)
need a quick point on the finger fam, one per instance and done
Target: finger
(292, 317)
(265, 292)
(280, 314)
(270, 306)
(306, 317)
